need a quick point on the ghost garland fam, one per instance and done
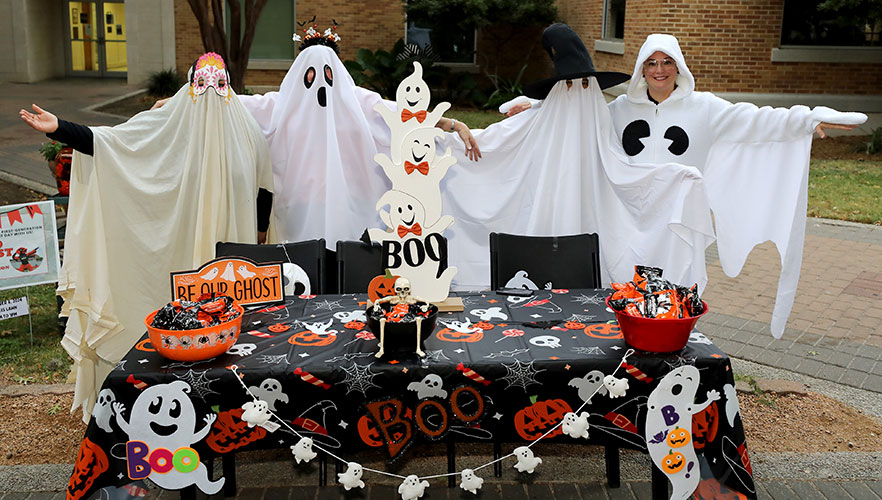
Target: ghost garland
(414, 222)
(412, 487)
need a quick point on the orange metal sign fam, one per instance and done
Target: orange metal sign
(246, 282)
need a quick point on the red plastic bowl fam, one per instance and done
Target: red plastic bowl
(198, 344)
(656, 334)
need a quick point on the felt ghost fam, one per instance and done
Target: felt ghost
(520, 280)
(412, 102)
(270, 390)
(255, 413)
(470, 482)
(575, 426)
(302, 451)
(526, 461)
(405, 219)
(103, 410)
(428, 387)
(420, 170)
(670, 407)
(412, 488)
(589, 384)
(352, 477)
(292, 275)
(615, 386)
(164, 417)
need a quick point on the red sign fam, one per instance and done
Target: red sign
(243, 280)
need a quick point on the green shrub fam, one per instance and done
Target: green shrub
(874, 144)
(506, 90)
(164, 83)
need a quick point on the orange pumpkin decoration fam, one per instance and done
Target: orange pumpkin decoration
(604, 331)
(230, 432)
(449, 335)
(278, 328)
(382, 286)
(572, 325)
(91, 463)
(533, 421)
(309, 338)
(354, 325)
(484, 325)
(705, 425)
(711, 489)
(678, 437)
(673, 462)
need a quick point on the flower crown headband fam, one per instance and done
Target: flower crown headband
(311, 36)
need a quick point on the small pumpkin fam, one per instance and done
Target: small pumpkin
(679, 437)
(354, 325)
(309, 338)
(533, 421)
(604, 331)
(382, 286)
(573, 325)
(484, 325)
(91, 463)
(278, 328)
(230, 432)
(450, 335)
(673, 462)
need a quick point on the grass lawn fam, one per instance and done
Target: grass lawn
(846, 189)
(43, 360)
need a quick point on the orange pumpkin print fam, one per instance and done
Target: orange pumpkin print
(533, 421)
(382, 286)
(91, 463)
(679, 437)
(354, 325)
(278, 328)
(449, 335)
(673, 462)
(484, 325)
(604, 331)
(572, 325)
(230, 432)
(309, 338)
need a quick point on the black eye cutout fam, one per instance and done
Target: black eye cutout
(400, 211)
(417, 90)
(309, 77)
(329, 75)
(155, 405)
(175, 410)
(407, 89)
(410, 207)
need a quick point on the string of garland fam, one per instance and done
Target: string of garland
(575, 424)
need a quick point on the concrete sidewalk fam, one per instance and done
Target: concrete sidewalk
(833, 338)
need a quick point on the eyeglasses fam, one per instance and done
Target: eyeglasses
(666, 63)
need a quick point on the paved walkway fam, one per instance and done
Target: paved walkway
(834, 333)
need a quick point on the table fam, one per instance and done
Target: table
(533, 359)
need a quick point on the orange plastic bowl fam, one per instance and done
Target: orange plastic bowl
(195, 345)
(656, 334)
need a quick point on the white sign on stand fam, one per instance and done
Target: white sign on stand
(28, 245)
(14, 308)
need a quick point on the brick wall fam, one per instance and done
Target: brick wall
(727, 45)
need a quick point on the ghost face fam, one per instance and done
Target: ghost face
(419, 146)
(210, 71)
(166, 412)
(413, 93)
(319, 77)
(404, 210)
(660, 72)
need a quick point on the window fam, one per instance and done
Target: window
(450, 43)
(613, 19)
(850, 23)
(272, 35)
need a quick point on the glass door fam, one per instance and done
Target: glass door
(97, 34)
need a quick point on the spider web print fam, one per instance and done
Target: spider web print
(595, 299)
(274, 359)
(581, 318)
(506, 354)
(199, 383)
(325, 305)
(520, 374)
(435, 356)
(589, 351)
(121, 366)
(359, 378)
(349, 356)
(679, 360)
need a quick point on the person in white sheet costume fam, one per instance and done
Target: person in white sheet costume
(560, 169)
(754, 160)
(323, 134)
(155, 196)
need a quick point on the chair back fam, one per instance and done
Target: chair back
(357, 264)
(532, 261)
(308, 255)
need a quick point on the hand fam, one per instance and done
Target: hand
(471, 145)
(42, 121)
(118, 408)
(824, 125)
(160, 103)
(713, 395)
(210, 418)
(261, 237)
(517, 108)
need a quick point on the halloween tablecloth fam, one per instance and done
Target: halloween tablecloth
(530, 361)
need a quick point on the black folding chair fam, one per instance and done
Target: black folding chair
(309, 255)
(518, 261)
(563, 261)
(357, 264)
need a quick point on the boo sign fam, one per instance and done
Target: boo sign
(245, 281)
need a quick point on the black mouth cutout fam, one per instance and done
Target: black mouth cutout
(322, 97)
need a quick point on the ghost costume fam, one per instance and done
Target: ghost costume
(559, 169)
(158, 193)
(754, 160)
(323, 134)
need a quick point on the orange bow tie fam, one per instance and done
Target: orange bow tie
(423, 167)
(416, 229)
(407, 115)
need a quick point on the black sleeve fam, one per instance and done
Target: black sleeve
(264, 208)
(74, 135)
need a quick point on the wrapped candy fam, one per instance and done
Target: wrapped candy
(208, 310)
(651, 296)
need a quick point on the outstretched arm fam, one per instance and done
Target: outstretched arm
(41, 121)
(471, 145)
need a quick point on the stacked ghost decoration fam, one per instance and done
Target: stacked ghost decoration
(412, 243)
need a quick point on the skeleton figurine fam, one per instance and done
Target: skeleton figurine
(401, 303)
